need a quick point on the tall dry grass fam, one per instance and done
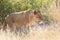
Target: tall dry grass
(39, 32)
(44, 32)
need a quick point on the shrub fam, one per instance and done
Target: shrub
(10, 6)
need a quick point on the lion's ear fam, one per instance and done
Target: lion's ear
(35, 12)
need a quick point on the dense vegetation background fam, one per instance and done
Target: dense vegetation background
(10, 6)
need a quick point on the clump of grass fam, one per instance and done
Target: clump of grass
(47, 18)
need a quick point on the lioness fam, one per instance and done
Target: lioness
(19, 19)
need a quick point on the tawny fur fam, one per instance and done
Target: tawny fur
(22, 18)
